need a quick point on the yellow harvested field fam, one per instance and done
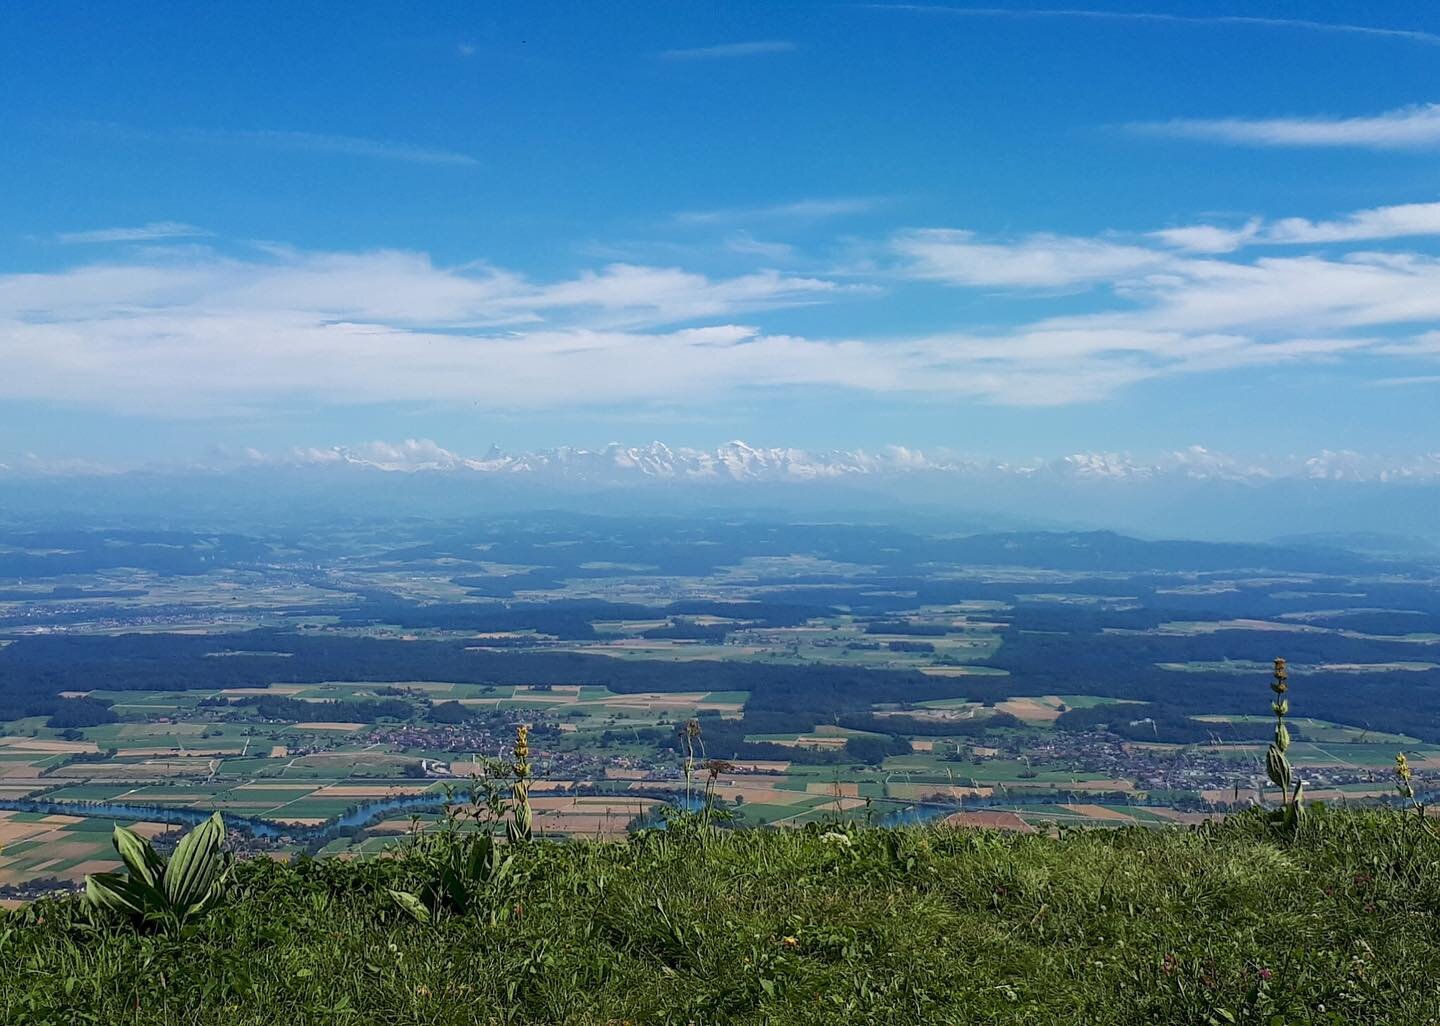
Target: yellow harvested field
(34, 744)
(1045, 709)
(467, 768)
(82, 869)
(920, 792)
(12, 832)
(278, 751)
(136, 772)
(278, 689)
(1098, 812)
(385, 826)
(363, 791)
(296, 820)
(583, 825)
(761, 766)
(329, 725)
(621, 773)
(760, 794)
(13, 790)
(842, 789)
(11, 770)
(990, 820)
(922, 746)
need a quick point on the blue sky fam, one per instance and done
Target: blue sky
(1009, 232)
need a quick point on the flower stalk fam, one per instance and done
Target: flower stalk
(521, 825)
(1277, 762)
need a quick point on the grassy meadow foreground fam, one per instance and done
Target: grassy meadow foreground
(1232, 923)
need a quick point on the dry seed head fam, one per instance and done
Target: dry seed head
(1282, 676)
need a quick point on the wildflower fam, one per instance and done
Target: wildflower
(790, 942)
(520, 827)
(1266, 974)
(522, 745)
(1403, 775)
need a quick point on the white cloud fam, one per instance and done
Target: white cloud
(1416, 127)
(188, 331)
(1206, 238)
(1380, 223)
(1036, 261)
(1407, 35)
(142, 233)
(726, 51)
(800, 210)
(1393, 222)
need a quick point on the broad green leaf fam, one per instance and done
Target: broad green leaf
(191, 873)
(138, 855)
(113, 891)
(412, 905)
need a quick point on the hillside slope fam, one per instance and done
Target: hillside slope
(1220, 924)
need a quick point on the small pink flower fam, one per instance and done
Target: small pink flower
(1266, 974)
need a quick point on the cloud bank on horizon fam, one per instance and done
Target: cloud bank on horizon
(205, 330)
(739, 274)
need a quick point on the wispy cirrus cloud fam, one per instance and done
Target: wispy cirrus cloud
(818, 209)
(346, 145)
(150, 232)
(1406, 128)
(728, 51)
(277, 139)
(1302, 24)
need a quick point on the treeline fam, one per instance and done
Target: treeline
(910, 726)
(1150, 721)
(294, 710)
(69, 713)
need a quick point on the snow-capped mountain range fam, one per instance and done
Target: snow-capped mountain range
(738, 462)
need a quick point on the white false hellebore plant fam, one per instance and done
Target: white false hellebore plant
(173, 892)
